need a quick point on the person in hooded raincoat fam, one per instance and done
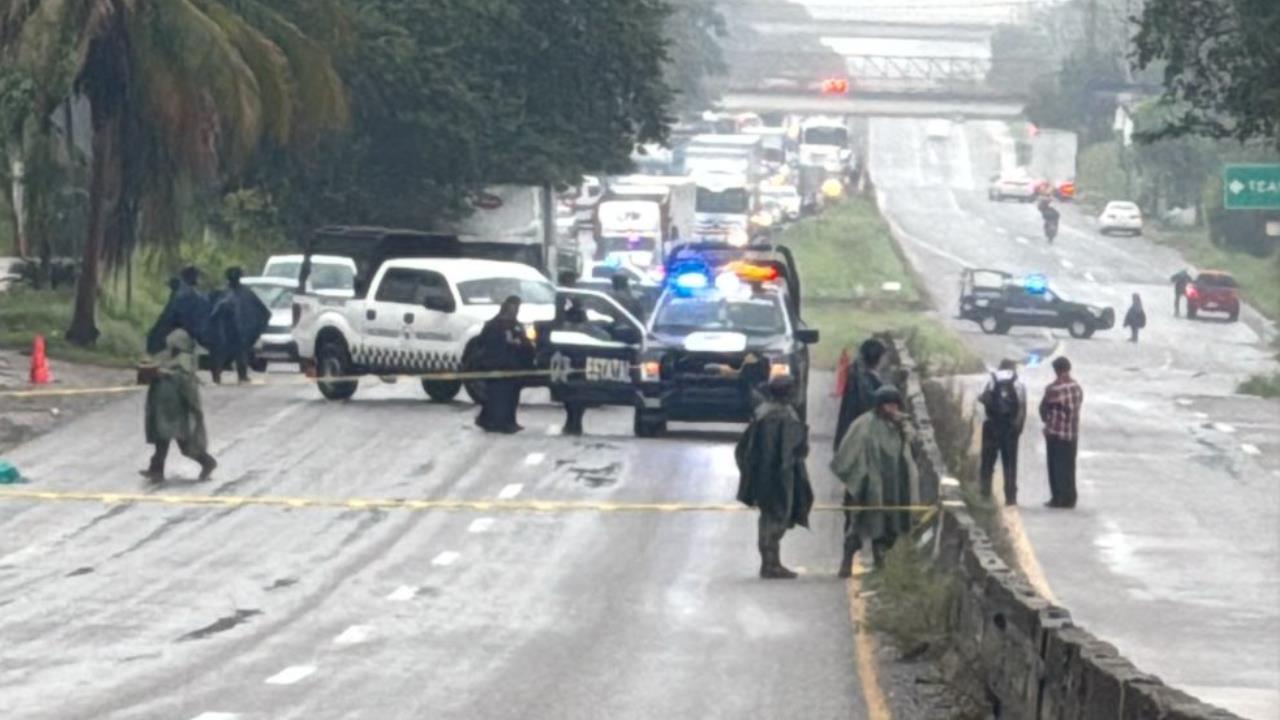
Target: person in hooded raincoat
(504, 347)
(173, 409)
(1180, 280)
(772, 475)
(860, 387)
(239, 319)
(1136, 318)
(876, 465)
(187, 309)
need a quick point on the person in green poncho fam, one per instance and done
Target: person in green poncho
(875, 463)
(174, 413)
(772, 474)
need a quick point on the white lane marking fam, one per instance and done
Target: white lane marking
(1250, 449)
(1067, 263)
(534, 458)
(1185, 402)
(354, 634)
(480, 525)
(510, 491)
(1089, 276)
(216, 716)
(1200, 415)
(402, 593)
(291, 675)
(1223, 428)
(1022, 241)
(448, 557)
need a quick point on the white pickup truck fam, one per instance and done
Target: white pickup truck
(419, 316)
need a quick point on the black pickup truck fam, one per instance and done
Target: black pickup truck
(998, 301)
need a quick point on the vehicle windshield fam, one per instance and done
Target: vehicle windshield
(731, 200)
(759, 315)
(492, 291)
(324, 276)
(275, 297)
(826, 136)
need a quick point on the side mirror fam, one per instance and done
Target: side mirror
(439, 304)
(808, 336)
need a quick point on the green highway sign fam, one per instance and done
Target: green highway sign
(1251, 187)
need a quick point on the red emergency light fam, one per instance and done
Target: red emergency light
(835, 86)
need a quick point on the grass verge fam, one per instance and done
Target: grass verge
(1265, 386)
(26, 313)
(846, 258)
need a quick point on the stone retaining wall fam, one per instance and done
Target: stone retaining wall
(1036, 663)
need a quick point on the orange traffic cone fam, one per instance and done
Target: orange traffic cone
(40, 374)
(842, 373)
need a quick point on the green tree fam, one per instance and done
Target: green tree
(1222, 66)
(181, 94)
(1079, 97)
(694, 31)
(1174, 171)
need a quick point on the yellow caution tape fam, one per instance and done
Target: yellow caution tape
(536, 506)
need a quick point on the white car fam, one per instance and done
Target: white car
(1120, 216)
(1016, 185)
(419, 316)
(785, 197)
(276, 343)
(331, 273)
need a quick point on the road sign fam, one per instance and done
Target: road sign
(1251, 187)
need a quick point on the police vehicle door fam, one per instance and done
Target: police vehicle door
(592, 364)
(388, 322)
(1027, 307)
(435, 326)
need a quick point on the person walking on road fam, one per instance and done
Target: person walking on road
(862, 381)
(1004, 401)
(876, 465)
(173, 409)
(1060, 411)
(1136, 318)
(1180, 280)
(772, 474)
(1050, 216)
(239, 319)
(504, 347)
(187, 309)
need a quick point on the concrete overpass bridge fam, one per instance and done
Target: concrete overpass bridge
(873, 104)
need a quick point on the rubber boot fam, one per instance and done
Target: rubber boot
(779, 571)
(207, 466)
(155, 469)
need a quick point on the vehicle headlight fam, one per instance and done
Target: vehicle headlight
(531, 332)
(779, 368)
(650, 371)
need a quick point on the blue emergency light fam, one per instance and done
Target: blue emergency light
(1035, 284)
(691, 280)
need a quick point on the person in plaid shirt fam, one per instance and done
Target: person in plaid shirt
(1060, 411)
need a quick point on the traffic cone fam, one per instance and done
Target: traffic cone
(842, 373)
(40, 374)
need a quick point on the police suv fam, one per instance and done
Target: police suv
(998, 301)
(726, 322)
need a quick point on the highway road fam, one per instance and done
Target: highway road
(1173, 553)
(249, 612)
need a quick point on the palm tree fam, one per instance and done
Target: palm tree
(181, 94)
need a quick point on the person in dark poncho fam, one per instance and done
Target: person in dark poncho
(1136, 318)
(187, 309)
(504, 347)
(238, 320)
(863, 381)
(772, 474)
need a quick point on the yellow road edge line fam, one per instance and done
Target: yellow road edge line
(865, 653)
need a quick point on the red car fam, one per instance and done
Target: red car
(1214, 290)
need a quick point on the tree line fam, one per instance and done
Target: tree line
(279, 115)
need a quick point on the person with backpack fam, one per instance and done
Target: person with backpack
(1004, 401)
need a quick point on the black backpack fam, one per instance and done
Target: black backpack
(1002, 401)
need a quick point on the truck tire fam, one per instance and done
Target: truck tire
(993, 325)
(1080, 328)
(475, 388)
(442, 391)
(649, 424)
(332, 360)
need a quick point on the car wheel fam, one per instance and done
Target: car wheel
(332, 361)
(1079, 328)
(442, 390)
(649, 424)
(990, 324)
(476, 389)
(1234, 315)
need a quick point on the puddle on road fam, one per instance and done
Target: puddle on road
(220, 625)
(281, 583)
(80, 571)
(597, 477)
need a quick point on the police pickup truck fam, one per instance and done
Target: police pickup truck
(725, 324)
(415, 314)
(998, 301)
